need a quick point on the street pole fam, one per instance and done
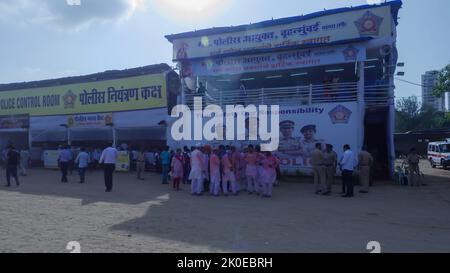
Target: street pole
(68, 136)
(114, 135)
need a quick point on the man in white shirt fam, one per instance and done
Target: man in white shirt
(109, 159)
(347, 165)
(82, 161)
(198, 171)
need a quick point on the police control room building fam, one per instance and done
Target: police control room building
(331, 73)
(122, 106)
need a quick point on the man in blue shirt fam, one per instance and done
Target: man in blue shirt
(82, 161)
(165, 162)
(64, 158)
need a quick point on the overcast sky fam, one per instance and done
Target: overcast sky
(43, 39)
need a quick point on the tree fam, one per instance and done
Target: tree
(409, 106)
(443, 84)
(410, 116)
(407, 114)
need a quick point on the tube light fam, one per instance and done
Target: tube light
(334, 70)
(299, 74)
(274, 77)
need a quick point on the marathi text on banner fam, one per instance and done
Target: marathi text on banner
(279, 61)
(134, 93)
(96, 120)
(373, 22)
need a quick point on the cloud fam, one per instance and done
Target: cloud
(192, 11)
(33, 73)
(72, 14)
(73, 2)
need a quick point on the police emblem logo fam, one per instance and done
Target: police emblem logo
(369, 24)
(69, 99)
(340, 115)
(350, 53)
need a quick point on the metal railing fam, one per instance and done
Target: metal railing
(378, 95)
(296, 95)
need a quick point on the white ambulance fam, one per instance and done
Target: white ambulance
(439, 153)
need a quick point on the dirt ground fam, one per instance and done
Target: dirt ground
(43, 215)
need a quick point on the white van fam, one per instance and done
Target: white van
(439, 153)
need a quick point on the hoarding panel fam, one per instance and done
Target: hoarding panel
(279, 61)
(328, 123)
(134, 93)
(373, 22)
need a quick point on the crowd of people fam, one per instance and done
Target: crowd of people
(140, 160)
(226, 170)
(325, 163)
(222, 170)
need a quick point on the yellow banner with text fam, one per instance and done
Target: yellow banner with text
(134, 93)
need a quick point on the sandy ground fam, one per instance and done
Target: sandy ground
(43, 215)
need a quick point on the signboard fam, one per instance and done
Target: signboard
(301, 127)
(123, 161)
(96, 120)
(134, 93)
(373, 22)
(51, 159)
(279, 61)
(15, 122)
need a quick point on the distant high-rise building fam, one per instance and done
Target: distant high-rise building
(447, 101)
(429, 81)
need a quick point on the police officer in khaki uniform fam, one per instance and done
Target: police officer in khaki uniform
(413, 160)
(330, 167)
(365, 160)
(318, 167)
